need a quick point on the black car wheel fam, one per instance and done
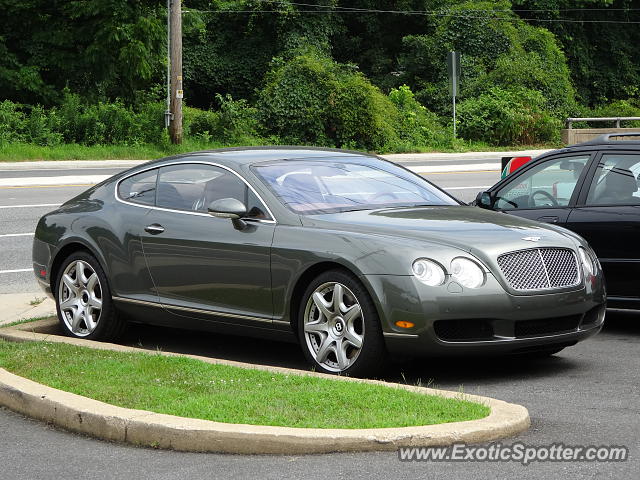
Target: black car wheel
(83, 300)
(338, 326)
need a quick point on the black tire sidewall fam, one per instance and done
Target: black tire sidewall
(373, 352)
(107, 312)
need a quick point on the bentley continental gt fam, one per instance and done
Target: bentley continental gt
(350, 255)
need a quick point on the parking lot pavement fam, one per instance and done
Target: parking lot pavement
(586, 395)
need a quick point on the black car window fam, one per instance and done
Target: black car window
(616, 181)
(193, 187)
(140, 188)
(547, 185)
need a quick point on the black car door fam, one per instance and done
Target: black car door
(203, 266)
(545, 190)
(608, 217)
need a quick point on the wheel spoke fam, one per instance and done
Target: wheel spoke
(325, 348)
(80, 275)
(338, 293)
(316, 327)
(70, 284)
(88, 320)
(353, 338)
(341, 355)
(69, 303)
(95, 302)
(78, 314)
(351, 314)
(322, 305)
(92, 281)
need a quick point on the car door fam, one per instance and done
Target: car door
(608, 217)
(546, 190)
(203, 266)
(122, 245)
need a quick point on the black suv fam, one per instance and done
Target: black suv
(592, 188)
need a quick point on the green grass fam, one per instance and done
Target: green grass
(19, 152)
(191, 388)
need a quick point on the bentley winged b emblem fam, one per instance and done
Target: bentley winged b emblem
(531, 239)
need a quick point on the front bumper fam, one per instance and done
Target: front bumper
(484, 321)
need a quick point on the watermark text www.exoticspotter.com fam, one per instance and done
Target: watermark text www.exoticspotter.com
(517, 452)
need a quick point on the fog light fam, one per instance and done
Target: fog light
(405, 324)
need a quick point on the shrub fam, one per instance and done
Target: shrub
(507, 117)
(417, 125)
(11, 122)
(310, 99)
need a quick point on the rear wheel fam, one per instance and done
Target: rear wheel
(83, 300)
(338, 326)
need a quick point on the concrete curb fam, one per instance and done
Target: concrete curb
(21, 306)
(98, 419)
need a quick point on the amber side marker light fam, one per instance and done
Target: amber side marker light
(404, 324)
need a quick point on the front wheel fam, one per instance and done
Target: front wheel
(338, 326)
(83, 300)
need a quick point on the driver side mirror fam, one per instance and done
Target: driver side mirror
(230, 208)
(484, 200)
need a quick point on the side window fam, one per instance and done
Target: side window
(140, 188)
(547, 185)
(616, 181)
(184, 186)
(193, 187)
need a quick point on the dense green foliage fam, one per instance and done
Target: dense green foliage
(316, 72)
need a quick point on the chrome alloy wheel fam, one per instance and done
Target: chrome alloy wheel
(334, 326)
(80, 298)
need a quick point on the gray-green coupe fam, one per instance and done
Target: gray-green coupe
(351, 255)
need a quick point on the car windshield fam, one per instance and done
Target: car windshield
(324, 186)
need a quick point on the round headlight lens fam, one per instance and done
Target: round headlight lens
(428, 272)
(467, 273)
(586, 260)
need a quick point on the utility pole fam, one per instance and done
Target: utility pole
(175, 49)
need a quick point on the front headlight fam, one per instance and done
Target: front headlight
(587, 261)
(467, 273)
(429, 272)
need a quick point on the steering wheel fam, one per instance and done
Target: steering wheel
(546, 194)
(380, 195)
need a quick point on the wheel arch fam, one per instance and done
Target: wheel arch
(69, 247)
(309, 274)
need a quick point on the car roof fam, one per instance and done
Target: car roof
(250, 155)
(602, 142)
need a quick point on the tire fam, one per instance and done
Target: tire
(343, 343)
(83, 301)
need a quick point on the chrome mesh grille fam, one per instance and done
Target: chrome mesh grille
(540, 268)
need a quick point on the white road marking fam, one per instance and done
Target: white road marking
(469, 167)
(61, 180)
(19, 270)
(4, 235)
(31, 206)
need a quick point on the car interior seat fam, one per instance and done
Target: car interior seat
(619, 186)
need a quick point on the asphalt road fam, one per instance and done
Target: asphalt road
(22, 206)
(586, 395)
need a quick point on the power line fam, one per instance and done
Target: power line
(368, 10)
(424, 14)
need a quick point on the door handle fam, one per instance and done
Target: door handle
(549, 219)
(154, 229)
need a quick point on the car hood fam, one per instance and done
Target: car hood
(467, 228)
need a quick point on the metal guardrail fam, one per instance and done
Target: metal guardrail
(600, 119)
